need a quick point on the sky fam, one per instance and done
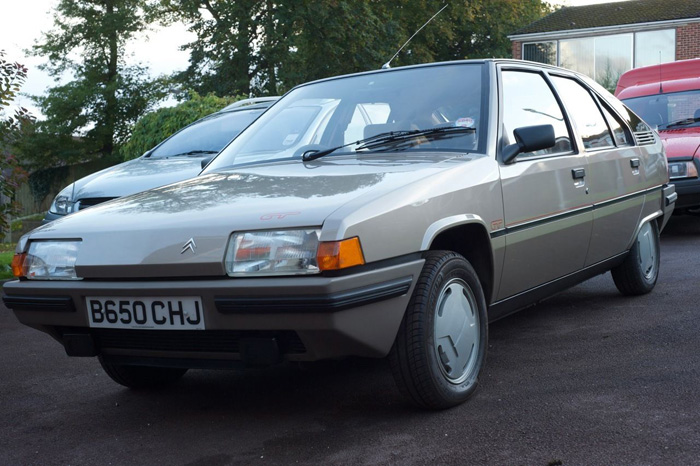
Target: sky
(158, 49)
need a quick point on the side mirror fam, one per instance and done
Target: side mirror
(529, 139)
(206, 161)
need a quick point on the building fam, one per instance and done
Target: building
(605, 40)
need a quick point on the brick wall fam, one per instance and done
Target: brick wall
(688, 41)
(517, 50)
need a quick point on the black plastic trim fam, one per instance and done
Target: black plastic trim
(314, 303)
(398, 260)
(39, 303)
(505, 307)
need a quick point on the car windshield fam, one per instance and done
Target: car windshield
(206, 136)
(668, 111)
(336, 113)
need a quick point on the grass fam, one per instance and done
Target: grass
(7, 250)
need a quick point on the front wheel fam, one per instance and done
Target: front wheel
(441, 345)
(638, 273)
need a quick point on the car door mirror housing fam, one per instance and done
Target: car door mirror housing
(529, 139)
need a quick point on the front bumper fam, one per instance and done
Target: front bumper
(688, 191)
(305, 318)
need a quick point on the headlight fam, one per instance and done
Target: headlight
(682, 170)
(287, 252)
(63, 202)
(47, 260)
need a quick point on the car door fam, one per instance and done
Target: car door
(547, 210)
(616, 182)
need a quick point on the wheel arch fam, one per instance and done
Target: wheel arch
(466, 235)
(657, 217)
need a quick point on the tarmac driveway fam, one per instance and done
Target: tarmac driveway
(588, 377)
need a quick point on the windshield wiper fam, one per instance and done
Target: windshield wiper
(194, 152)
(683, 122)
(316, 154)
(441, 132)
(392, 137)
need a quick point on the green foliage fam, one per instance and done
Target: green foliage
(154, 127)
(106, 96)
(12, 76)
(265, 47)
(41, 181)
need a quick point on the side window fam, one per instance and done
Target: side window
(620, 135)
(528, 101)
(585, 113)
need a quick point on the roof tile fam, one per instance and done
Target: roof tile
(614, 14)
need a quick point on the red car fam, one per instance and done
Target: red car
(667, 97)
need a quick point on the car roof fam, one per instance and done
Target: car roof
(254, 102)
(480, 61)
(676, 76)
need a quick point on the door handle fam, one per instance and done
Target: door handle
(578, 173)
(634, 163)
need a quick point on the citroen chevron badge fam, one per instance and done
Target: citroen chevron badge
(190, 244)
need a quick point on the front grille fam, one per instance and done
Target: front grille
(92, 201)
(195, 341)
(644, 138)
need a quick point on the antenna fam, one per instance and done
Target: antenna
(386, 65)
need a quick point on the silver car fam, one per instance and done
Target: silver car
(389, 213)
(177, 158)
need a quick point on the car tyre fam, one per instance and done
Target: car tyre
(637, 275)
(441, 344)
(142, 376)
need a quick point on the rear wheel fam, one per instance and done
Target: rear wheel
(441, 344)
(638, 273)
(142, 376)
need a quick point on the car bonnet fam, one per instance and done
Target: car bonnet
(143, 235)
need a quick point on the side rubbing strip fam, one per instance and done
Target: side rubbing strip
(310, 303)
(553, 218)
(39, 303)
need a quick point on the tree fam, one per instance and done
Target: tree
(154, 127)
(266, 47)
(221, 58)
(106, 95)
(12, 76)
(339, 37)
(475, 29)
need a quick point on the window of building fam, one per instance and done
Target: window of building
(606, 57)
(541, 52)
(654, 47)
(613, 56)
(578, 55)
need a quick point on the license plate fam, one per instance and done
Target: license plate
(160, 313)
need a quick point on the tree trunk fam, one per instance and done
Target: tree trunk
(111, 103)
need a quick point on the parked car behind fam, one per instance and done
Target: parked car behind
(177, 158)
(428, 201)
(667, 97)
